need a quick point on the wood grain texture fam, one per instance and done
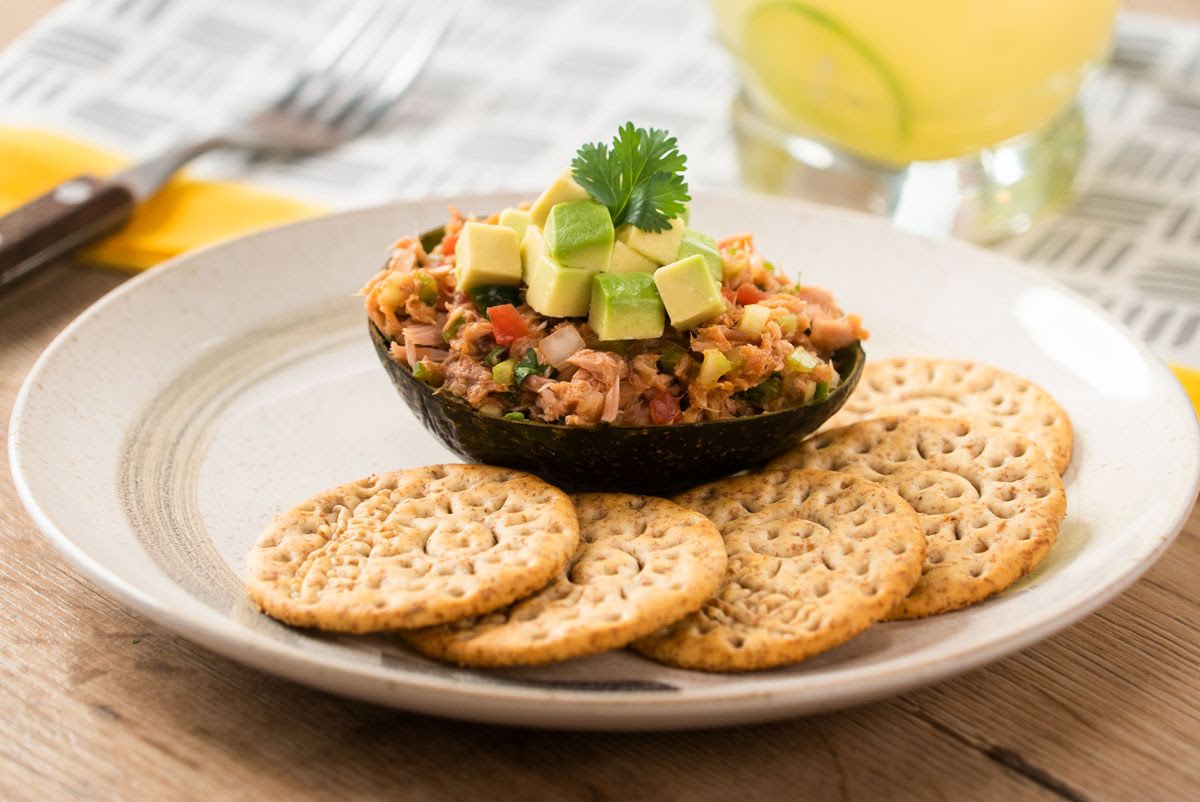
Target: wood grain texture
(97, 703)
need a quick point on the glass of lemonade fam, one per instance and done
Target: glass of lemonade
(951, 116)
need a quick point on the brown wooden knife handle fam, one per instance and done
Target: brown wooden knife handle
(72, 214)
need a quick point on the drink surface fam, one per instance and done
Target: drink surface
(916, 80)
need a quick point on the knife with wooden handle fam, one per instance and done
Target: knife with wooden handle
(72, 214)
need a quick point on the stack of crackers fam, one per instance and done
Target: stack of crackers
(936, 487)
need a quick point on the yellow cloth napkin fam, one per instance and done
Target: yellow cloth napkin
(1191, 382)
(185, 214)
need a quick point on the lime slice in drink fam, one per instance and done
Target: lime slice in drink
(824, 80)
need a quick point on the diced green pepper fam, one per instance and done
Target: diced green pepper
(822, 391)
(801, 360)
(452, 328)
(515, 416)
(503, 372)
(669, 359)
(422, 372)
(766, 392)
(715, 366)
(486, 296)
(493, 356)
(427, 287)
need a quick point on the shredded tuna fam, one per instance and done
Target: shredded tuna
(469, 379)
(830, 334)
(534, 383)
(428, 334)
(573, 403)
(644, 375)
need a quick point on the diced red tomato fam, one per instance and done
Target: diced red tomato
(664, 408)
(749, 294)
(507, 323)
(449, 242)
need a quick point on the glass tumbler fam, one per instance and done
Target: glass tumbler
(950, 116)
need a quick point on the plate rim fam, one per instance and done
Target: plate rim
(752, 697)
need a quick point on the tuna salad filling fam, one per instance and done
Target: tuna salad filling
(573, 310)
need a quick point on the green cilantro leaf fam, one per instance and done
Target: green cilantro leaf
(528, 366)
(640, 180)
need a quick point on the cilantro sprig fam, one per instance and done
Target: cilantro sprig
(640, 179)
(528, 366)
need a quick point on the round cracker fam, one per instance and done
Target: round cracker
(642, 563)
(412, 548)
(948, 388)
(989, 500)
(814, 558)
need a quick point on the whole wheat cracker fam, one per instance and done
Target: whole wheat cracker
(950, 388)
(412, 548)
(989, 500)
(815, 557)
(642, 563)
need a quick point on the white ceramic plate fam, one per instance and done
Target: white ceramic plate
(164, 428)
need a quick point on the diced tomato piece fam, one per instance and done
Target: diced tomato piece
(664, 408)
(507, 323)
(449, 242)
(729, 294)
(749, 294)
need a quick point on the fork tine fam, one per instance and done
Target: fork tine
(382, 94)
(354, 75)
(332, 48)
(380, 41)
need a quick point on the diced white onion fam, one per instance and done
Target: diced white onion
(560, 346)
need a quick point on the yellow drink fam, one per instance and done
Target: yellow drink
(898, 81)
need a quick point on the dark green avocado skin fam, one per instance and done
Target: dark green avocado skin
(651, 460)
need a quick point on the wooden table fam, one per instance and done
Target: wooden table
(97, 703)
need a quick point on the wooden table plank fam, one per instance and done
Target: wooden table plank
(98, 703)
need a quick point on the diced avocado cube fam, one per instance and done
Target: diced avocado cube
(516, 219)
(694, 243)
(487, 254)
(559, 291)
(625, 306)
(626, 260)
(533, 251)
(688, 291)
(580, 234)
(563, 189)
(659, 247)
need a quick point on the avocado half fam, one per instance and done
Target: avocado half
(651, 460)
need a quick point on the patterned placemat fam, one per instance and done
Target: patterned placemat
(519, 84)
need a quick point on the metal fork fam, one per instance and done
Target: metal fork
(354, 74)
